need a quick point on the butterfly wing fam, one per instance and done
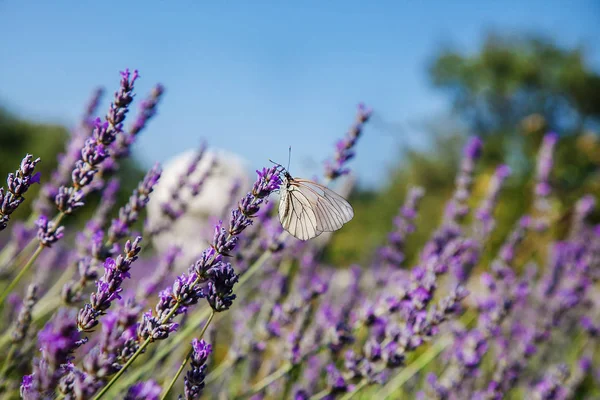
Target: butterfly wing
(331, 210)
(296, 214)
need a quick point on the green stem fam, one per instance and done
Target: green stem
(8, 252)
(362, 384)
(187, 357)
(31, 261)
(7, 360)
(320, 395)
(267, 380)
(22, 273)
(122, 370)
(217, 372)
(413, 368)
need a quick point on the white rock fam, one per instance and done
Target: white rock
(193, 230)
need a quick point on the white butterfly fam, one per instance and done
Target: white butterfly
(307, 209)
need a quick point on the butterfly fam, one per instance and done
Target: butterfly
(307, 209)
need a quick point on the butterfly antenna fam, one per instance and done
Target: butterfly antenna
(289, 158)
(278, 165)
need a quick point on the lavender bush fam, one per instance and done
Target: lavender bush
(259, 314)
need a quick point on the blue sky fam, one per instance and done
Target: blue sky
(254, 77)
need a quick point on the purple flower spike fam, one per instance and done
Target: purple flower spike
(147, 110)
(457, 208)
(48, 233)
(344, 148)
(543, 189)
(194, 379)
(56, 341)
(210, 269)
(17, 185)
(24, 317)
(148, 390)
(220, 287)
(130, 213)
(108, 287)
(485, 211)
(393, 253)
(96, 149)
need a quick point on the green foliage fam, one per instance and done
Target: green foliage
(513, 77)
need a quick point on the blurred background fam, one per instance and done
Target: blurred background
(254, 78)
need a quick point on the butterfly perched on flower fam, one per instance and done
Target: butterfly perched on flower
(307, 209)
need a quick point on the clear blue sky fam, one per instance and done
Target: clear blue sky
(257, 76)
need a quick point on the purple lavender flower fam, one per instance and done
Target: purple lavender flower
(551, 386)
(457, 208)
(150, 284)
(542, 186)
(220, 286)
(96, 148)
(393, 253)
(24, 318)
(129, 214)
(148, 390)
(109, 286)
(147, 110)
(17, 185)
(485, 211)
(108, 201)
(56, 341)
(48, 233)
(335, 380)
(344, 147)
(210, 267)
(194, 378)
(66, 161)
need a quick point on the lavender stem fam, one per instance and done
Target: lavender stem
(22, 273)
(361, 385)
(187, 357)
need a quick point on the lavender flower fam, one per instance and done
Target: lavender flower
(148, 390)
(344, 147)
(96, 148)
(66, 161)
(17, 185)
(147, 110)
(457, 208)
(150, 284)
(108, 201)
(194, 378)
(220, 286)
(551, 386)
(24, 318)
(393, 253)
(542, 186)
(129, 214)
(48, 233)
(56, 341)
(209, 267)
(485, 211)
(109, 286)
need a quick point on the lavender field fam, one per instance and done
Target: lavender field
(261, 314)
(283, 201)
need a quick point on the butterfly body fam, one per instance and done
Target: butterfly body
(307, 209)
